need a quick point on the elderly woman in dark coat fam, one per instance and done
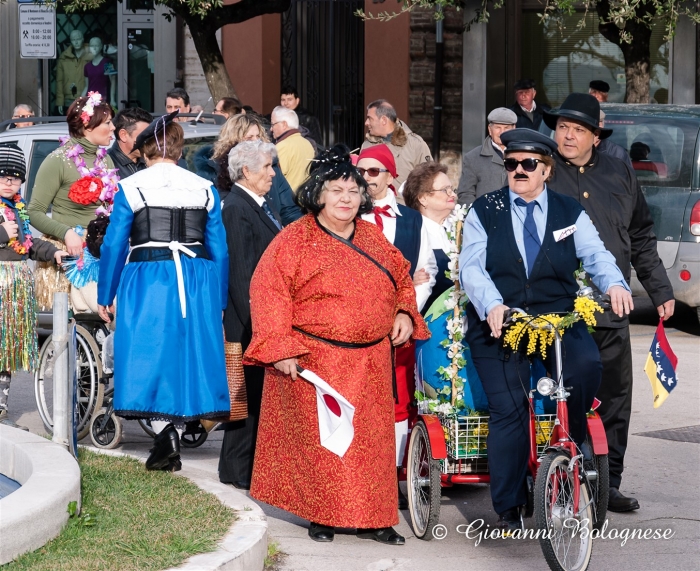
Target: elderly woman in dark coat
(250, 227)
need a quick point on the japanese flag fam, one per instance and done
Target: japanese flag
(335, 415)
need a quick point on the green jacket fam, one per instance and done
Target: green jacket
(53, 180)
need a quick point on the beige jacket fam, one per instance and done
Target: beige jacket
(408, 148)
(70, 71)
(295, 154)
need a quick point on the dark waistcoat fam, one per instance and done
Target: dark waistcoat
(550, 288)
(407, 239)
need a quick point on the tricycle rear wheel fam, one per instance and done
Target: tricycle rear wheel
(423, 481)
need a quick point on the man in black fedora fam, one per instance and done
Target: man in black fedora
(608, 190)
(528, 111)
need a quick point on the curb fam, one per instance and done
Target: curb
(244, 547)
(50, 479)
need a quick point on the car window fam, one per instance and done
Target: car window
(661, 148)
(40, 150)
(191, 147)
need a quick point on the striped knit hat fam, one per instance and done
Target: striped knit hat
(12, 161)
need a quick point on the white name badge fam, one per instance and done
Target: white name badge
(559, 235)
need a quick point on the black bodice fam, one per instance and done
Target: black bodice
(169, 224)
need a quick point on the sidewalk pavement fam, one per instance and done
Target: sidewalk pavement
(661, 473)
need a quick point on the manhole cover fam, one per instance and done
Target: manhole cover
(684, 434)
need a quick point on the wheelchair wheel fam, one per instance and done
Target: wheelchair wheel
(423, 481)
(567, 543)
(145, 425)
(88, 370)
(194, 435)
(105, 429)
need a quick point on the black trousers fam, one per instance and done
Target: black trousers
(238, 448)
(506, 384)
(615, 394)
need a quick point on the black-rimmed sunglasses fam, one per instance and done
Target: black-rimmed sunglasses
(529, 165)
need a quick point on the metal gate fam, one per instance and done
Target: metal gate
(323, 57)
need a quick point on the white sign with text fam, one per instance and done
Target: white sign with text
(37, 31)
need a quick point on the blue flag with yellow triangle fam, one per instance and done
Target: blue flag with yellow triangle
(661, 366)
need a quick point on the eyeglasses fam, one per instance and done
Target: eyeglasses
(448, 190)
(529, 165)
(22, 116)
(11, 180)
(374, 171)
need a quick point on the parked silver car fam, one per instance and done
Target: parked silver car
(664, 145)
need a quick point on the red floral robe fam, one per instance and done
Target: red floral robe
(312, 281)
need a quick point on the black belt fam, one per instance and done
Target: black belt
(342, 344)
(158, 254)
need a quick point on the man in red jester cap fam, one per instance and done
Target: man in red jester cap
(403, 227)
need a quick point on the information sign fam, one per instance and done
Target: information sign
(37, 31)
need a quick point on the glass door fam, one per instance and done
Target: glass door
(138, 89)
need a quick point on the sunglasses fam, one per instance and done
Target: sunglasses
(374, 171)
(529, 165)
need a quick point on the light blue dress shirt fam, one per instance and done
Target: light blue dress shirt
(597, 261)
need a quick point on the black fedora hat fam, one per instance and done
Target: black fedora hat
(580, 107)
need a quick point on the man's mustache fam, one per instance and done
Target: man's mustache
(521, 176)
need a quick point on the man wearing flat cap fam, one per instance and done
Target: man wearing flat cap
(482, 167)
(608, 189)
(599, 89)
(512, 258)
(529, 113)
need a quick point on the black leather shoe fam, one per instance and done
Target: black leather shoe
(385, 535)
(240, 485)
(166, 445)
(509, 521)
(403, 501)
(619, 503)
(321, 533)
(175, 464)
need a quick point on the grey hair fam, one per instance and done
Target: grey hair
(23, 106)
(289, 115)
(251, 154)
(384, 109)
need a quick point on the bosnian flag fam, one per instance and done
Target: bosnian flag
(335, 415)
(661, 366)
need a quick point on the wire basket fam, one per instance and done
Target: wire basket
(465, 436)
(464, 466)
(544, 425)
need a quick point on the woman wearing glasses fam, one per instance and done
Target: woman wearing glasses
(429, 190)
(404, 229)
(522, 245)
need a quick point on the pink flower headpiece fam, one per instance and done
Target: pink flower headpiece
(94, 98)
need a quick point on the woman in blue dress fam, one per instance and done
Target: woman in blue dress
(429, 190)
(164, 257)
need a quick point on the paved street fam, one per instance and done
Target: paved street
(662, 474)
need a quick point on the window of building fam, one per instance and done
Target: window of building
(565, 61)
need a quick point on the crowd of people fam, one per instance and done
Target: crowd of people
(318, 261)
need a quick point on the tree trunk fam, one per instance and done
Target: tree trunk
(209, 52)
(637, 54)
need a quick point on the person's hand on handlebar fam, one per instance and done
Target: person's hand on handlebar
(495, 319)
(620, 300)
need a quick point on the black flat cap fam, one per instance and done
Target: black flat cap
(599, 85)
(580, 107)
(528, 140)
(524, 84)
(156, 128)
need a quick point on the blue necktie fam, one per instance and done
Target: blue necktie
(530, 237)
(271, 216)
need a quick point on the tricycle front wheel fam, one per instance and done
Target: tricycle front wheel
(423, 481)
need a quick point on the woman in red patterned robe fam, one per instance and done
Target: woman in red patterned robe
(332, 295)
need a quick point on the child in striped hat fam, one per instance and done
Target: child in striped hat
(18, 341)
